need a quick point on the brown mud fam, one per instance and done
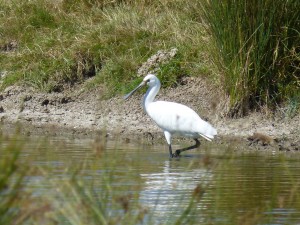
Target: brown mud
(80, 113)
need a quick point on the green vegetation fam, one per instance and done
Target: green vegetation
(258, 47)
(59, 43)
(11, 177)
(251, 50)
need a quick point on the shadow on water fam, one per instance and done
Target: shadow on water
(113, 183)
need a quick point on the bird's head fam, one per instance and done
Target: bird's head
(150, 80)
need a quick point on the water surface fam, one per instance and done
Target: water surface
(221, 186)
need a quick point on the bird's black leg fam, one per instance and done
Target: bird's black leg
(178, 151)
(170, 150)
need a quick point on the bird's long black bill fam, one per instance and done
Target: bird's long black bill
(132, 92)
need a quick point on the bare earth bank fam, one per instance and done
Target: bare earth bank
(83, 113)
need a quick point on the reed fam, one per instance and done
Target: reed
(257, 46)
(11, 177)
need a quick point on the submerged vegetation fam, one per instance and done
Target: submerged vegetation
(250, 50)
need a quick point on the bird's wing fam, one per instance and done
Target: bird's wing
(177, 118)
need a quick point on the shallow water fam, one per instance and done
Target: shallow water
(230, 187)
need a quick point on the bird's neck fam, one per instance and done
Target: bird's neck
(150, 95)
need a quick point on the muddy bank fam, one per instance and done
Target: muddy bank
(77, 112)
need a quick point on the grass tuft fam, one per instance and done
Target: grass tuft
(257, 45)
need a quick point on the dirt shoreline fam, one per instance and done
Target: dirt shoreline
(77, 112)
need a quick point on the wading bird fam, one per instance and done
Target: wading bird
(173, 118)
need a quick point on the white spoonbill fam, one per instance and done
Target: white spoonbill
(173, 118)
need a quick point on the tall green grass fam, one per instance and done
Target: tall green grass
(257, 46)
(61, 43)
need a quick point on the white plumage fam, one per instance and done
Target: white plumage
(173, 118)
